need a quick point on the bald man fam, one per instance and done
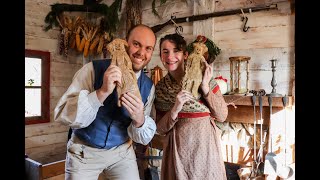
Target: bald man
(102, 132)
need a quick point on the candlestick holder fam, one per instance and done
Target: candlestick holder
(273, 81)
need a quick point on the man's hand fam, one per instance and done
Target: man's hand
(135, 107)
(111, 77)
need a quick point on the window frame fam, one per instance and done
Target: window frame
(45, 86)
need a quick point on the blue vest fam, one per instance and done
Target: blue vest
(109, 129)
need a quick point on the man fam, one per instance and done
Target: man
(103, 132)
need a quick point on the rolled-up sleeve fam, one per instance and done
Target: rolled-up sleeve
(79, 105)
(143, 134)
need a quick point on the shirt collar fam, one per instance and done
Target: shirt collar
(138, 74)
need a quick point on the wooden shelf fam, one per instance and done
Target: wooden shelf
(243, 113)
(247, 101)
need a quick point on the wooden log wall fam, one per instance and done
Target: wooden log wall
(271, 35)
(47, 142)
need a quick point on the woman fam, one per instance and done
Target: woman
(191, 149)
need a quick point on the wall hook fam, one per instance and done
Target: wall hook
(245, 18)
(178, 28)
(245, 27)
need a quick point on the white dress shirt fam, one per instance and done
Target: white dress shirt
(79, 105)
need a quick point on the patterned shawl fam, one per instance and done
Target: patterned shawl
(168, 88)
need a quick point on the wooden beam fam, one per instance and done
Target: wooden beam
(78, 7)
(211, 15)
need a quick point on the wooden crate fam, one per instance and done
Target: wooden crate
(37, 171)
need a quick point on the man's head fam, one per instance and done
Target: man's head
(141, 40)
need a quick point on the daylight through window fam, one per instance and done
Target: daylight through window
(36, 86)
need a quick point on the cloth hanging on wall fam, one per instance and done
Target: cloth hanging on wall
(156, 74)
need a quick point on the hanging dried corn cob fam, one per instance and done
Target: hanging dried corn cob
(83, 41)
(90, 35)
(87, 43)
(78, 41)
(94, 43)
(68, 29)
(85, 31)
(73, 35)
(74, 28)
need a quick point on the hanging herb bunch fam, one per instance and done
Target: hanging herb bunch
(154, 11)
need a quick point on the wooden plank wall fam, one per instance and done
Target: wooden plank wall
(271, 35)
(176, 8)
(47, 142)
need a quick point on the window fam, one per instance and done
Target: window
(37, 84)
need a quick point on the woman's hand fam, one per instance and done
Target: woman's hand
(208, 73)
(182, 97)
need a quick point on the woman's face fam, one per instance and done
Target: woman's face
(171, 57)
